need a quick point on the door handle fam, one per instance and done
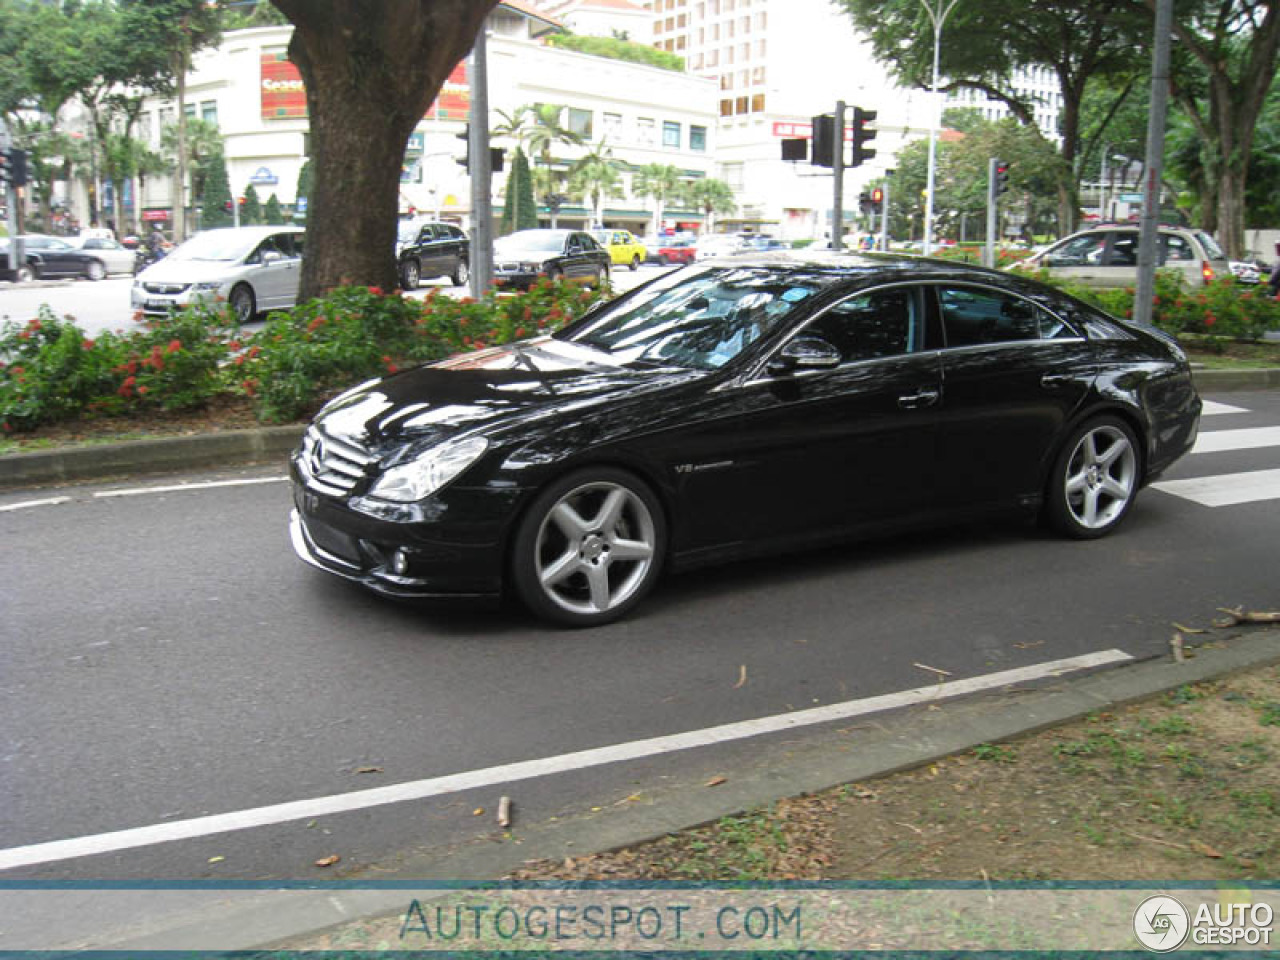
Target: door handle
(924, 397)
(1054, 380)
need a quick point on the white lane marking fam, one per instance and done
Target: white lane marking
(47, 502)
(1227, 489)
(1212, 408)
(1250, 439)
(55, 850)
(141, 491)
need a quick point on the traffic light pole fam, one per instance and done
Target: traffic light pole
(17, 249)
(884, 213)
(989, 251)
(480, 170)
(837, 170)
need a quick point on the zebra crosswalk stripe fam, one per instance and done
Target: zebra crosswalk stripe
(1226, 489)
(1251, 438)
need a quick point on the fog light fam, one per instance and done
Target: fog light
(400, 563)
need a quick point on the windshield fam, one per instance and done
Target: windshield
(533, 241)
(1210, 246)
(222, 245)
(699, 319)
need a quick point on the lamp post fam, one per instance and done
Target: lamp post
(939, 17)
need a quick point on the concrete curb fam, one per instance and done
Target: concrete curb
(164, 454)
(779, 769)
(135, 457)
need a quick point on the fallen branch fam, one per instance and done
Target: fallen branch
(1239, 615)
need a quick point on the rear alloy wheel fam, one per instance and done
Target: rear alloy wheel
(602, 278)
(242, 303)
(95, 270)
(25, 274)
(1095, 479)
(635, 262)
(589, 548)
(461, 275)
(410, 274)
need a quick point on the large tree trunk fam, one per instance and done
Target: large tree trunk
(371, 69)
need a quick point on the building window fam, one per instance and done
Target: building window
(713, 58)
(657, 26)
(680, 42)
(726, 81)
(697, 137)
(209, 111)
(757, 103)
(740, 105)
(612, 124)
(761, 47)
(580, 122)
(682, 21)
(190, 110)
(757, 77)
(645, 129)
(671, 134)
(762, 19)
(726, 108)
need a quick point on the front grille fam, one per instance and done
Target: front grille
(169, 288)
(332, 465)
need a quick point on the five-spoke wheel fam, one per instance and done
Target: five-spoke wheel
(410, 274)
(1095, 480)
(589, 547)
(242, 303)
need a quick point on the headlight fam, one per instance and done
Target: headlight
(418, 479)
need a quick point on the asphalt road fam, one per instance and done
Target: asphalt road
(165, 657)
(105, 305)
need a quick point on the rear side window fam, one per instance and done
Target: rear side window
(1211, 248)
(977, 316)
(1124, 250)
(1078, 251)
(1176, 248)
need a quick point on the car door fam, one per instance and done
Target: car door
(431, 251)
(854, 447)
(1078, 258)
(579, 264)
(275, 276)
(1013, 373)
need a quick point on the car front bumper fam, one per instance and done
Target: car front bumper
(449, 546)
(159, 303)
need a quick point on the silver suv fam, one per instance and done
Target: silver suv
(1107, 256)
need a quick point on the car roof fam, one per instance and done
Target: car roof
(257, 229)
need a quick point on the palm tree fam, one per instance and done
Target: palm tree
(537, 128)
(712, 197)
(594, 176)
(662, 182)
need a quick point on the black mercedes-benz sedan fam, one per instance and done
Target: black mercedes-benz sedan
(763, 402)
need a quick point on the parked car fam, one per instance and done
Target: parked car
(521, 258)
(725, 409)
(52, 257)
(1107, 256)
(425, 250)
(254, 269)
(115, 257)
(665, 250)
(624, 249)
(719, 245)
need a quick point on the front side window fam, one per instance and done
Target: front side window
(1124, 249)
(1078, 251)
(977, 316)
(882, 323)
(1176, 248)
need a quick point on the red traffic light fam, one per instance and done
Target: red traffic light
(877, 196)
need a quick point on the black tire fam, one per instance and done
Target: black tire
(662, 260)
(25, 274)
(555, 274)
(1095, 479)
(410, 274)
(461, 275)
(589, 548)
(602, 278)
(635, 262)
(94, 270)
(242, 303)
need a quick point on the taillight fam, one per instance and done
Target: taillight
(1206, 271)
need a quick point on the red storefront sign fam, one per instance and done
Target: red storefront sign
(155, 215)
(454, 101)
(283, 94)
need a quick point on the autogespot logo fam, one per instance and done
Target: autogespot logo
(1161, 923)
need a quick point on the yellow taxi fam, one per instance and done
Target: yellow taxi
(624, 249)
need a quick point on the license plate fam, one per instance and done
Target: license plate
(157, 304)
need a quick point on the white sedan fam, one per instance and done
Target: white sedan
(113, 257)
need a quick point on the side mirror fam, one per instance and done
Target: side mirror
(271, 256)
(804, 353)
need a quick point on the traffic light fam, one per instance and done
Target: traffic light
(795, 149)
(496, 159)
(226, 206)
(861, 135)
(864, 202)
(13, 167)
(824, 138)
(877, 196)
(1002, 176)
(465, 137)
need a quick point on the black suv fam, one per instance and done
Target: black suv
(431, 249)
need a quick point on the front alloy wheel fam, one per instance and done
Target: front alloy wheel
(461, 275)
(589, 548)
(410, 274)
(242, 304)
(1095, 480)
(95, 270)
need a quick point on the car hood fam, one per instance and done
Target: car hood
(187, 271)
(496, 391)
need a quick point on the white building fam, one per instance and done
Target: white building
(644, 114)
